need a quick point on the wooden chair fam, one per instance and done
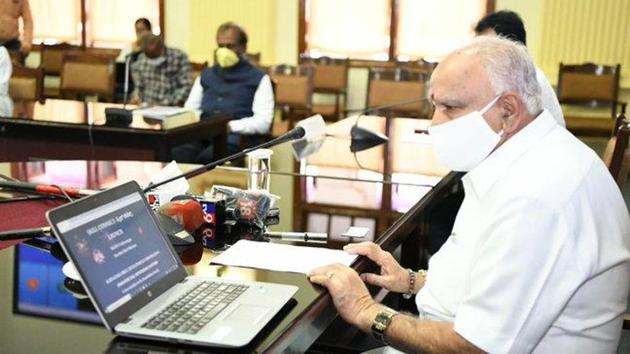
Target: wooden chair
(390, 87)
(253, 58)
(52, 56)
(617, 154)
(83, 74)
(589, 96)
(420, 66)
(27, 84)
(197, 68)
(331, 78)
(293, 91)
(51, 62)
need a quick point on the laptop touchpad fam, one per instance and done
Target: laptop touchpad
(247, 314)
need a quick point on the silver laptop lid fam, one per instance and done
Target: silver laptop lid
(119, 250)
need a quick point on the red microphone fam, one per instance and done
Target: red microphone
(44, 188)
(187, 213)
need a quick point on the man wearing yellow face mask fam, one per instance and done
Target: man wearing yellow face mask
(234, 86)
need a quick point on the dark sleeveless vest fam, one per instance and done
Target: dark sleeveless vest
(230, 90)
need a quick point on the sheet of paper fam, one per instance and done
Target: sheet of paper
(279, 257)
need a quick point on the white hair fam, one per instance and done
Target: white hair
(509, 68)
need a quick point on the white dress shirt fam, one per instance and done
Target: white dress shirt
(6, 104)
(262, 107)
(549, 98)
(539, 257)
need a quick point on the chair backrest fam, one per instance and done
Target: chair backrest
(27, 84)
(293, 86)
(331, 75)
(197, 68)
(52, 57)
(103, 52)
(84, 74)
(590, 85)
(389, 87)
(617, 154)
(420, 65)
(253, 58)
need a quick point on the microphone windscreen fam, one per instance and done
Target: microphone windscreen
(187, 213)
(314, 127)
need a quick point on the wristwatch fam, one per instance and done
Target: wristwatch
(381, 322)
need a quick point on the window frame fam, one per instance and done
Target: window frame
(84, 20)
(393, 29)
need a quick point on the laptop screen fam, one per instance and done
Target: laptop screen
(117, 246)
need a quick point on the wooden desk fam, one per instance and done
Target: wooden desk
(294, 330)
(65, 129)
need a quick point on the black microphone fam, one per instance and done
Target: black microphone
(121, 117)
(363, 139)
(308, 128)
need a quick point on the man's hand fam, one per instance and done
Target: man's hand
(393, 277)
(350, 296)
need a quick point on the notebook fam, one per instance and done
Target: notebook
(138, 284)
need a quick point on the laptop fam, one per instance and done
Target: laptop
(138, 284)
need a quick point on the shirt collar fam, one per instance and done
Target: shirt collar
(482, 177)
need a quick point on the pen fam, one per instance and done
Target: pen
(298, 236)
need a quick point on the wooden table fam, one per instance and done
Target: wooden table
(294, 330)
(66, 129)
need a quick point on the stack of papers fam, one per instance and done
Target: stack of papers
(279, 257)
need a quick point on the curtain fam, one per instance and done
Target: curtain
(110, 23)
(431, 29)
(56, 21)
(348, 28)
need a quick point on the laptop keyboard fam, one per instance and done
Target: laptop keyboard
(193, 310)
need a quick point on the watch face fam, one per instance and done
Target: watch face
(382, 321)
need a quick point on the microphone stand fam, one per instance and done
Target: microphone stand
(121, 117)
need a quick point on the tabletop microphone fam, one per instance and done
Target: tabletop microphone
(309, 128)
(362, 138)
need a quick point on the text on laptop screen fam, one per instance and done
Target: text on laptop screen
(119, 248)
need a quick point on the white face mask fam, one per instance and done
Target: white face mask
(461, 144)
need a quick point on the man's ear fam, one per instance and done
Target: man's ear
(512, 107)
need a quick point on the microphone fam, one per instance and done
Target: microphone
(121, 117)
(29, 187)
(363, 139)
(309, 128)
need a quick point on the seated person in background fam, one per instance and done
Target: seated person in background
(6, 103)
(234, 86)
(143, 28)
(539, 257)
(509, 24)
(162, 75)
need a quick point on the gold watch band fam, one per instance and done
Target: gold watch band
(382, 320)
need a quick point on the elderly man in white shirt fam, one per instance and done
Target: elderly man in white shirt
(6, 103)
(539, 257)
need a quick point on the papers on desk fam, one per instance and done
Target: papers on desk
(279, 257)
(169, 117)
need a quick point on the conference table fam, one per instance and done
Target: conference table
(333, 180)
(68, 129)
(61, 318)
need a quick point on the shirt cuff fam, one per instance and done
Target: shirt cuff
(235, 126)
